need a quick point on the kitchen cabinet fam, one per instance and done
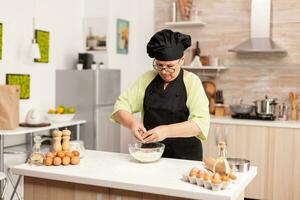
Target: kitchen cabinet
(273, 150)
(284, 164)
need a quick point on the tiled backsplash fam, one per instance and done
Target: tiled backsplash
(250, 76)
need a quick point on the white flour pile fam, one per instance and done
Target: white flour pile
(146, 156)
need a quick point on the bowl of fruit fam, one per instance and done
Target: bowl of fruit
(61, 114)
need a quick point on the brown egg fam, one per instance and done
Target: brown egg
(54, 153)
(225, 178)
(194, 171)
(75, 160)
(48, 161)
(232, 176)
(216, 176)
(207, 176)
(200, 174)
(49, 154)
(60, 154)
(57, 161)
(69, 154)
(66, 160)
(76, 153)
(216, 181)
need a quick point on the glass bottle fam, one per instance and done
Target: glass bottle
(36, 157)
(197, 50)
(221, 165)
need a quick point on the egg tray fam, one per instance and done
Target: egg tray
(206, 184)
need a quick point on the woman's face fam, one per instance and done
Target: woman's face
(168, 70)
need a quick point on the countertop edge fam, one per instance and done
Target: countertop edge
(246, 122)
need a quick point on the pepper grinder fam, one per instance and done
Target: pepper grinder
(57, 140)
(66, 135)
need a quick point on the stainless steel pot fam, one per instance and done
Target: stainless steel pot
(239, 165)
(266, 106)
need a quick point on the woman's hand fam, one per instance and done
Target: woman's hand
(138, 131)
(156, 134)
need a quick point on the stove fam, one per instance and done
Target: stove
(254, 117)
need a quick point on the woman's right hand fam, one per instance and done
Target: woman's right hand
(138, 131)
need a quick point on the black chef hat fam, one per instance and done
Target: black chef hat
(167, 45)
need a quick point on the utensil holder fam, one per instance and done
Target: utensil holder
(294, 115)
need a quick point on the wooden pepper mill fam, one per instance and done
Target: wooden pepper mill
(66, 135)
(57, 140)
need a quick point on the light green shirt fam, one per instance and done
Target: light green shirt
(132, 100)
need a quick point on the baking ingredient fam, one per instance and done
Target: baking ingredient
(194, 171)
(66, 160)
(232, 176)
(75, 160)
(48, 161)
(216, 181)
(69, 154)
(225, 178)
(61, 154)
(57, 161)
(54, 153)
(200, 174)
(146, 156)
(76, 153)
(207, 177)
(49, 154)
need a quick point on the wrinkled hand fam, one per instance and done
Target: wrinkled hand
(138, 131)
(156, 134)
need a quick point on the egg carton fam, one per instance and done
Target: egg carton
(206, 184)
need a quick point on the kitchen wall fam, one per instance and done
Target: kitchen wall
(250, 76)
(140, 14)
(64, 24)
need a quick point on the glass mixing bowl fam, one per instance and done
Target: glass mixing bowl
(146, 153)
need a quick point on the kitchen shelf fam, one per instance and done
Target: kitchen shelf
(185, 23)
(210, 71)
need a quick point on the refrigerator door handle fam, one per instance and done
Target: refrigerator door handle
(97, 77)
(97, 128)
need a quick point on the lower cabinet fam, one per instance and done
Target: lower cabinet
(272, 150)
(284, 164)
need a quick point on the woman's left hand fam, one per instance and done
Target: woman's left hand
(156, 134)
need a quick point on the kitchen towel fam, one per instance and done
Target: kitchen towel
(9, 106)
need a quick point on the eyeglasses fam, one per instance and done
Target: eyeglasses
(167, 68)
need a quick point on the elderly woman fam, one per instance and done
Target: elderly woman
(172, 101)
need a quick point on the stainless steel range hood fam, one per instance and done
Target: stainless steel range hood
(260, 31)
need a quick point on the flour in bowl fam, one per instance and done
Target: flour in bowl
(146, 156)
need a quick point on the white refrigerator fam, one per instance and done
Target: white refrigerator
(93, 94)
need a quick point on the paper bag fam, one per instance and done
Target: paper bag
(9, 106)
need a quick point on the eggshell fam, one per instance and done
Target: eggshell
(48, 161)
(66, 160)
(57, 161)
(75, 160)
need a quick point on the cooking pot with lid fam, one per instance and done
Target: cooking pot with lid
(266, 106)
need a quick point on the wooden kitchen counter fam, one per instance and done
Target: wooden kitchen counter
(103, 175)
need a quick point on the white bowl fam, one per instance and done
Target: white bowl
(146, 153)
(60, 117)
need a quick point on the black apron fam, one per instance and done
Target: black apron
(168, 106)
